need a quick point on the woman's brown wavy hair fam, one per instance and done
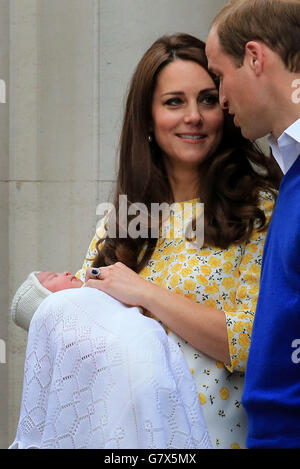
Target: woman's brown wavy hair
(229, 184)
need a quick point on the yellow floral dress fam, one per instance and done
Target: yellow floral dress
(226, 279)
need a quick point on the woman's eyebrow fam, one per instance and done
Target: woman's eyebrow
(207, 90)
(177, 93)
(173, 93)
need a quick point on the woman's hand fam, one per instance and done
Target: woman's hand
(120, 282)
(202, 326)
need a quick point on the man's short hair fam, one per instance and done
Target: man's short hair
(273, 22)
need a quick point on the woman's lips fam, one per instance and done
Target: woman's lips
(192, 138)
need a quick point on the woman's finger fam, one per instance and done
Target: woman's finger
(93, 283)
(95, 273)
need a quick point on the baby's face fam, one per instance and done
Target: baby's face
(55, 282)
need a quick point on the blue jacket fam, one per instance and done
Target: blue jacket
(272, 385)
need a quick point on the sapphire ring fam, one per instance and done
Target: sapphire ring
(96, 272)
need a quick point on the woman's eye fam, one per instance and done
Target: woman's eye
(211, 99)
(173, 102)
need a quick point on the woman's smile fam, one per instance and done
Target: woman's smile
(192, 138)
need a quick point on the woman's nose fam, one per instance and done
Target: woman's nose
(193, 115)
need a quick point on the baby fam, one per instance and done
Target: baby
(35, 289)
(55, 282)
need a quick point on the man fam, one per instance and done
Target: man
(254, 48)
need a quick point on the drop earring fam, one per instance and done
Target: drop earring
(150, 138)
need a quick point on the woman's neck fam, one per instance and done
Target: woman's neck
(184, 184)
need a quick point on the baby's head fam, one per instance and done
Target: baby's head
(55, 282)
(35, 289)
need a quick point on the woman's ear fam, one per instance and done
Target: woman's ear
(150, 133)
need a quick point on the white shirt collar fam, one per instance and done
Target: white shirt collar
(287, 148)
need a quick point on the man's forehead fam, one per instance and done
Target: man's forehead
(217, 58)
(212, 48)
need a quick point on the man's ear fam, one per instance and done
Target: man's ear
(254, 56)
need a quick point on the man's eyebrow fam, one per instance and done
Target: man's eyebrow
(213, 69)
(180, 93)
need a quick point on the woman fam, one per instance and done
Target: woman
(206, 297)
(178, 147)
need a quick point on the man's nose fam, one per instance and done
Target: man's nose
(222, 98)
(224, 102)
